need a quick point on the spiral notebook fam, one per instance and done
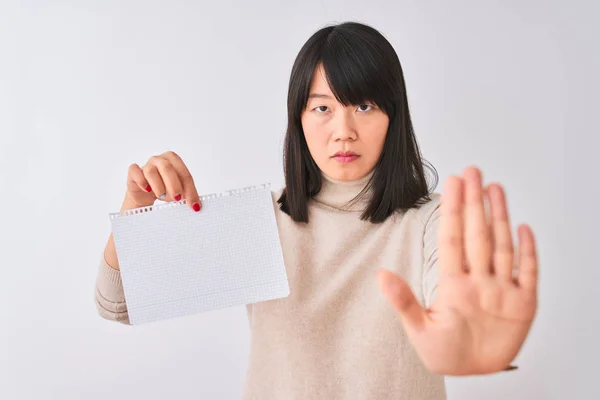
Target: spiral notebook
(176, 262)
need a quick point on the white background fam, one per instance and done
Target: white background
(88, 87)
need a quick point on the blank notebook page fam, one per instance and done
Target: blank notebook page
(176, 262)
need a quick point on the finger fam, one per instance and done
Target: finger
(152, 175)
(136, 177)
(528, 260)
(190, 193)
(503, 252)
(173, 186)
(478, 245)
(450, 236)
(399, 294)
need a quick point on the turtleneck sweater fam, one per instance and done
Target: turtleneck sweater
(335, 336)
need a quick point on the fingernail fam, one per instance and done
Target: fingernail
(196, 207)
(148, 188)
(162, 196)
(177, 198)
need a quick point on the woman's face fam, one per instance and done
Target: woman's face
(330, 127)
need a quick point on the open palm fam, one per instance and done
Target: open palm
(486, 294)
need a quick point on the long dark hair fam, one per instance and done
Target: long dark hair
(360, 66)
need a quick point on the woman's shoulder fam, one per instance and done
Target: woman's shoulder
(276, 194)
(431, 202)
(430, 208)
(425, 210)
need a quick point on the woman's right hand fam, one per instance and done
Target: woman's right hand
(163, 177)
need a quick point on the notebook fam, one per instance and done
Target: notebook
(176, 262)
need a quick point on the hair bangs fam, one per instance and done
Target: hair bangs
(354, 72)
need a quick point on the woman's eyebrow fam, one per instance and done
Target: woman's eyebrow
(319, 96)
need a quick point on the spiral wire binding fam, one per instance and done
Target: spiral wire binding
(204, 199)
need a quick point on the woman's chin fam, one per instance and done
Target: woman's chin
(346, 173)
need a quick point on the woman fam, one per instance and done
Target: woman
(356, 206)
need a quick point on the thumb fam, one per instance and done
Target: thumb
(397, 291)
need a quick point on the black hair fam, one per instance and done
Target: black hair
(360, 66)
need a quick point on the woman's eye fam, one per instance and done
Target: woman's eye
(364, 107)
(321, 109)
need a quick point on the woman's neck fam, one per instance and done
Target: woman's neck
(340, 194)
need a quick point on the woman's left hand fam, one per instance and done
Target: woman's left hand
(486, 295)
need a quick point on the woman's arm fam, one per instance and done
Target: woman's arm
(109, 295)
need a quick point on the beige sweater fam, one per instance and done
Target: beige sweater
(335, 336)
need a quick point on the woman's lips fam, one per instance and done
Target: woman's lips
(345, 159)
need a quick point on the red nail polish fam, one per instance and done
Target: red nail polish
(196, 207)
(148, 188)
(178, 197)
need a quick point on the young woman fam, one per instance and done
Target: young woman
(392, 286)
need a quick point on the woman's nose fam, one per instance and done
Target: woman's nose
(344, 127)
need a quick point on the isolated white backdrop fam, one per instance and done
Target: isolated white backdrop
(88, 87)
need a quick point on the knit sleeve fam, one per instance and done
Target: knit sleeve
(430, 251)
(109, 295)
